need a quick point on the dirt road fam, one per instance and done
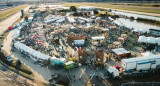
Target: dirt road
(9, 21)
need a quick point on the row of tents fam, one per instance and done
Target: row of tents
(31, 52)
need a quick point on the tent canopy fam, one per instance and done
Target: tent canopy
(147, 54)
(98, 38)
(31, 51)
(16, 33)
(142, 39)
(79, 42)
(158, 40)
(151, 40)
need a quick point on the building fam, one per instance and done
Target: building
(154, 32)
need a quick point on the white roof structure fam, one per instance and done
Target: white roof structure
(110, 18)
(93, 17)
(98, 18)
(151, 40)
(71, 19)
(147, 54)
(30, 18)
(70, 62)
(140, 30)
(73, 27)
(120, 51)
(59, 59)
(85, 19)
(135, 30)
(137, 59)
(16, 33)
(116, 22)
(142, 39)
(112, 69)
(86, 8)
(106, 29)
(31, 51)
(60, 20)
(54, 18)
(98, 38)
(158, 40)
(79, 42)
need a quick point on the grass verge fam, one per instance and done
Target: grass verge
(7, 13)
(20, 69)
(22, 73)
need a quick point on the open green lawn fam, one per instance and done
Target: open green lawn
(147, 9)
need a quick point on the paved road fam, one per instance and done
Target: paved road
(9, 21)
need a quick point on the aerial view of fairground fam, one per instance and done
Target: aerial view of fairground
(79, 42)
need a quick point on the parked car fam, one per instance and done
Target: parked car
(55, 76)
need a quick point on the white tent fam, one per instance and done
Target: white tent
(87, 8)
(98, 38)
(79, 42)
(147, 54)
(31, 51)
(85, 19)
(142, 39)
(110, 18)
(106, 29)
(151, 40)
(60, 20)
(16, 33)
(158, 40)
(72, 27)
(30, 18)
(117, 22)
(70, 19)
(135, 30)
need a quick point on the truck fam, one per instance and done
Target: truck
(58, 61)
(113, 71)
(70, 65)
(141, 63)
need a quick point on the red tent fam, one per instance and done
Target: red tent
(10, 27)
(101, 22)
(117, 67)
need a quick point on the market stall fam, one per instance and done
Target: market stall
(116, 44)
(121, 53)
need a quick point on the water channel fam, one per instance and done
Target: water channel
(143, 26)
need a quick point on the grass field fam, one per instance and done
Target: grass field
(7, 13)
(134, 7)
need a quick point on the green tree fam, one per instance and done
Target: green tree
(95, 12)
(73, 8)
